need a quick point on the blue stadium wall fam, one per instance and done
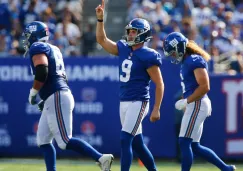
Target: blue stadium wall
(94, 83)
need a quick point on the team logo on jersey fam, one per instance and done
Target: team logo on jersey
(87, 127)
(32, 28)
(173, 43)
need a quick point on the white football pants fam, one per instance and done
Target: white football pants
(194, 117)
(132, 114)
(56, 119)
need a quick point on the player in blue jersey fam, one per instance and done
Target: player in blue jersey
(197, 105)
(138, 65)
(57, 103)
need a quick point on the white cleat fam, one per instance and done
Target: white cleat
(233, 166)
(105, 162)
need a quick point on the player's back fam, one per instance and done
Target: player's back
(188, 80)
(56, 79)
(133, 65)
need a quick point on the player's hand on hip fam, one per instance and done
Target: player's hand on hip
(181, 104)
(100, 10)
(155, 115)
(32, 96)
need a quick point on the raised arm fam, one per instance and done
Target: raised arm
(109, 45)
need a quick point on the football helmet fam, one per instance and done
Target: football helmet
(143, 31)
(174, 46)
(34, 32)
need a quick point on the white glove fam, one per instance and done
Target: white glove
(181, 104)
(32, 96)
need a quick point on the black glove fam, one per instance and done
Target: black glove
(41, 105)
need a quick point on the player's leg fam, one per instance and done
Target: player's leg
(44, 141)
(139, 146)
(132, 114)
(61, 126)
(143, 152)
(198, 149)
(185, 139)
(126, 139)
(210, 156)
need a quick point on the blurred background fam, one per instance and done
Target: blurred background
(216, 25)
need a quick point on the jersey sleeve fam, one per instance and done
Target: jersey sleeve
(154, 59)
(38, 48)
(121, 46)
(198, 63)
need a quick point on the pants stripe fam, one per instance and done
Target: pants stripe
(139, 119)
(193, 118)
(59, 116)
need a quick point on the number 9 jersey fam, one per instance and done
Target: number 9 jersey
(133, 75)
(56, 79)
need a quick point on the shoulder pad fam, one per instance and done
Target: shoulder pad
(39, 48)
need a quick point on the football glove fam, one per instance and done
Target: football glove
(32, 96)
(41, 105)
(181, 104)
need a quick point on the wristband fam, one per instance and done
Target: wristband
(100, 20)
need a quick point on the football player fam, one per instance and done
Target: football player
(138, 65)
(57, 103)
(195, 86)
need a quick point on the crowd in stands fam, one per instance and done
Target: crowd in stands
(216, 25)
(63, 18)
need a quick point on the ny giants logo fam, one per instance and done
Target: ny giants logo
(173, 43)
(32, 28)
(234, 115)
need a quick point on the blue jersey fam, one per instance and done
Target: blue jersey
(188, 80)
(56, 79)
(133, 65)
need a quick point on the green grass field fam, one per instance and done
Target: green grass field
(76, 165)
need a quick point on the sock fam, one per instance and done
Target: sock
(49, 153)
(126, 151)
(209, 155)
(143, 152)
(83, 147)
(186, 153)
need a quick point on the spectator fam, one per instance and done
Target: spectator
(71, 31)
(29, 15)
(5, 15)
(88, 41)
(236, 65)
(5, 43)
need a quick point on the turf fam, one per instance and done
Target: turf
(76, 165)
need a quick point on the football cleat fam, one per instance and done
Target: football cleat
(233, 167)
(105, 162)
